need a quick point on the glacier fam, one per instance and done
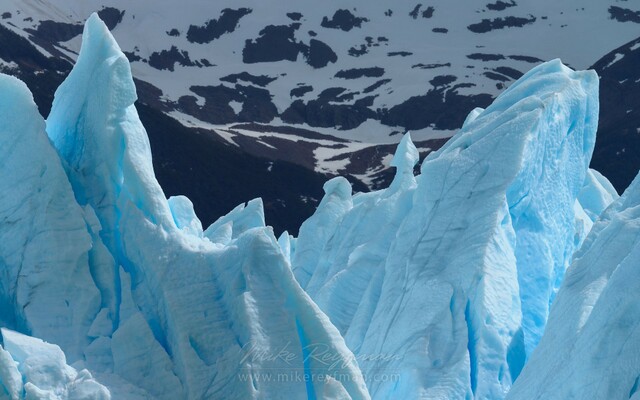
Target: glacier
(503, 269)
(453, 271)
(124, 280)
(591, 348)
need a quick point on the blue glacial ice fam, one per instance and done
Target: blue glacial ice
(438, 287)
(35, 369)
(591, 349)
(124, 280)
(446, 279)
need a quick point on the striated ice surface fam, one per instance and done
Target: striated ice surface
(96, 260)
(33, 369)
(591, 349)
(445, 280)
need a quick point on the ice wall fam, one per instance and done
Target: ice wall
(445, 281)
(48, 282)
(591, 349)
(33, 369)
(99, 262)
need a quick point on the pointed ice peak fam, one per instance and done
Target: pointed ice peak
(223, 234)
(242, 218)
(546, 82)
(596, 194)
(185, 216)
(285, 244)
(338, 186)
(405, 158)
(472, 116)
(316, 231)
(95, 127)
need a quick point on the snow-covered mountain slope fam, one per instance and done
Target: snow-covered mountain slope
(259, 88)
(363, 73)
(618, 141)
(436, 287)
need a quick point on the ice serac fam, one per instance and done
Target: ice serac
(239, 220)
(197, 315)
(591, 348)
(33, 369)
(442, 284)
(47, 285)
(316, 231)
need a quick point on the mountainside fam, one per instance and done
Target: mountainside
(617, 153)
(324, 86)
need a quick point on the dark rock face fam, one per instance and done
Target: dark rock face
(376, 85)
(300, 91)
(487, 25)
(295, 16)
(131, 56)
(399, 53)
(275, 43)
(111, 16)
(355, 73)
(439, 108)
(58, 31)
(216, 108)
(320, 113)
(262, 80)
(532, 60)
(430, 66)
(624, 14)
(440, 30)
(496, 77)
(256, 104)
(213, 29)
(485, 57)
(18, 49)
(428, 13)
(443, 80)
(416, 10)
(369, 42)
(167, 59)
(510, 72)
(617, 151)
(217, 176)
(343, 19)
(358, 51)
(319, 54)
(6, 15)
(173, 32)
(501, 5)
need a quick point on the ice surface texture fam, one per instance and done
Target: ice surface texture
(447, 280)
(97, 261)
(591, 349)
(33, 369)
(438, 287)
